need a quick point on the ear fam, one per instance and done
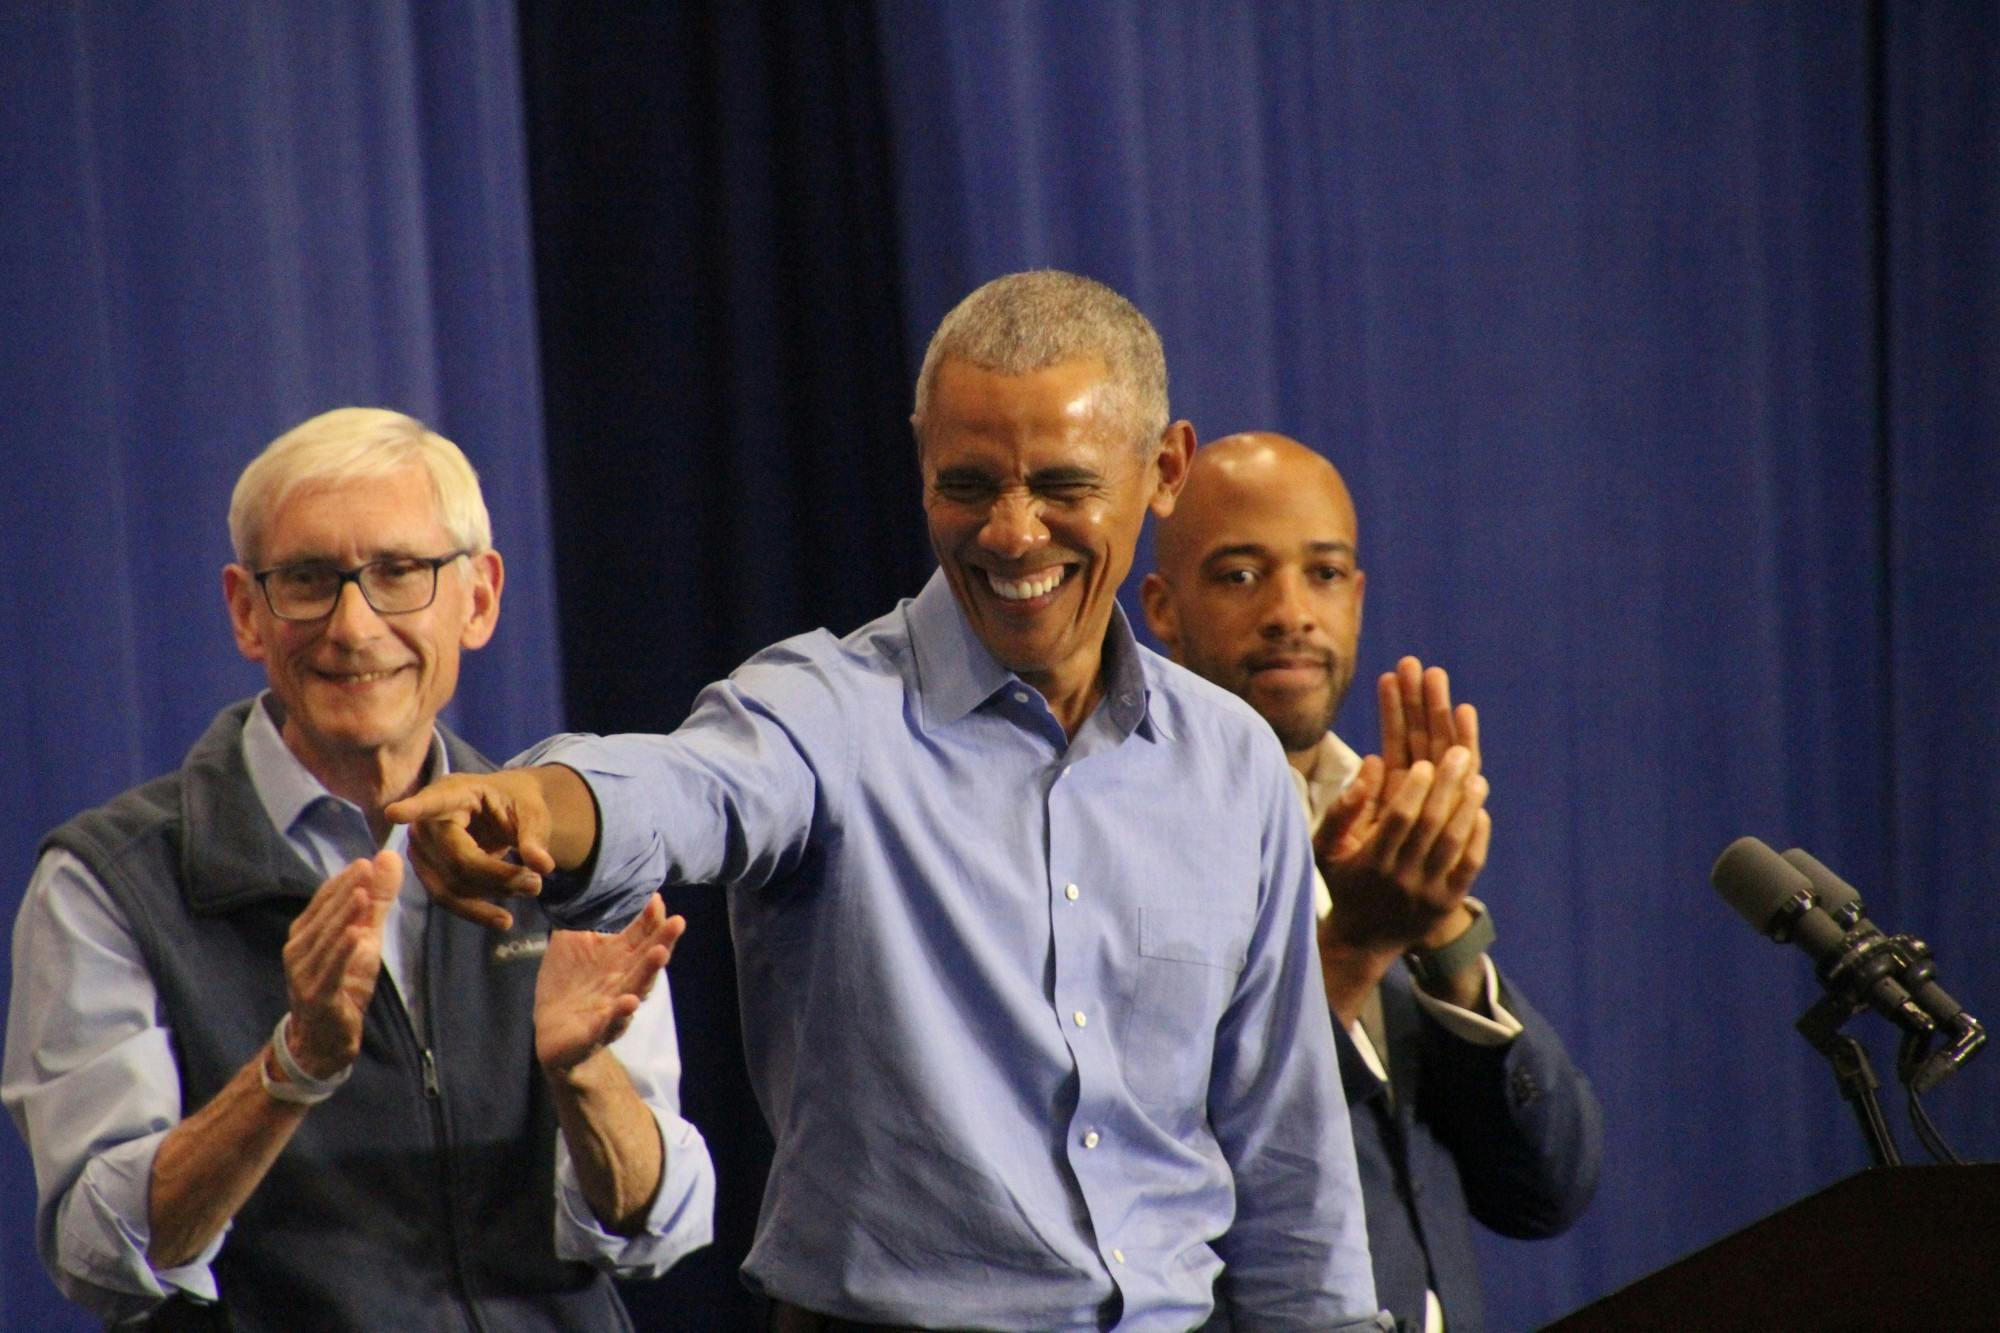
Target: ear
(240, 595)
(1156, 599)
(1177, 446)
(486, 574)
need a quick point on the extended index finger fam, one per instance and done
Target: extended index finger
(441, 800)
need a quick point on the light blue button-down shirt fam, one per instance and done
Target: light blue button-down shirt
(1037, 1022)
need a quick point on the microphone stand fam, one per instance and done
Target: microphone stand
(1820, 1025)
(1869, 955)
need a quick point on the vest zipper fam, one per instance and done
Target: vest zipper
(434, 1097)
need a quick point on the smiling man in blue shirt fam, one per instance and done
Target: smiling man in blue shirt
(1022, 910)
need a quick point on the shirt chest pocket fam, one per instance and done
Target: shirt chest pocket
(1188, 962)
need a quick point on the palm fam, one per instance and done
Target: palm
(590, 984)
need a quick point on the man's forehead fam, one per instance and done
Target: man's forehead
(1267, 547)
(969, 397)
(1274, 511)
(1055, 465)
(394, 514)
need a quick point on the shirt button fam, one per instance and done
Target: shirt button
(1118, 1255)
(1070, 891)
(1020, 696)
(1081, 1021)
(1090, 1139)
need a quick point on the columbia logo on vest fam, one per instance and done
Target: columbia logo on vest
(525, 946)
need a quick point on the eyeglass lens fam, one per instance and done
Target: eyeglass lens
(309, 590)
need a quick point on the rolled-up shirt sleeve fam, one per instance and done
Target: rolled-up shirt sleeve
(682, 1216)
(91, 1083)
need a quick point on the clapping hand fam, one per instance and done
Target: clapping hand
(591, 984)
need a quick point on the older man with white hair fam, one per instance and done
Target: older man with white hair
(265, 1084)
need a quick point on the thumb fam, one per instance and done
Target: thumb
(383, 875)
(1346, 820)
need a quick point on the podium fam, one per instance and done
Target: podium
(1893, 1247)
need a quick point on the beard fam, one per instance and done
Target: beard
(1300, 718)
(1299, 725)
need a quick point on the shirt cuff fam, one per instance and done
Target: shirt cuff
(106, 1230)
(681, 1219)
(628, 849)
(1501, 1028)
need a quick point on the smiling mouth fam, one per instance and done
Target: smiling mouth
(1028, 587)
(357, 677)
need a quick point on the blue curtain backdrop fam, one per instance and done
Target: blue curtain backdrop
(215, 221)
(1657, 341)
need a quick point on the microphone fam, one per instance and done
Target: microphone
(1918, 973)
(1854, 960)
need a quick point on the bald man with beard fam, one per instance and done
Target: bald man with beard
(1463, 1101)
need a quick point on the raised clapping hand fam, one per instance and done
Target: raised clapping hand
(591, 984)
(333, 955)
(475, 837)
(1402, 845)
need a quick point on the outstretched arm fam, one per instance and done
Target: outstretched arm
(209, 1164)
(589, 987)
(475, 837)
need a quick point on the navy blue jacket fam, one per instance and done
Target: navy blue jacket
(1510, 1135)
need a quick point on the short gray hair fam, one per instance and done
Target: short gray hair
(1030, 321)
(348, 444)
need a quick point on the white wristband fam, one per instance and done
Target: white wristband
(299, 1087)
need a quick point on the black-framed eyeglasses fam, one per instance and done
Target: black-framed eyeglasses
(395, 585)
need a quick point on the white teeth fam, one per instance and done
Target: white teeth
(361, 677)
(1020, 590)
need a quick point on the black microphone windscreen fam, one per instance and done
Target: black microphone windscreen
(1756, 881)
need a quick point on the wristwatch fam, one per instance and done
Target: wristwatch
(1432, 967)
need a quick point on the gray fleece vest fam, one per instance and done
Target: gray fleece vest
(421, 1195)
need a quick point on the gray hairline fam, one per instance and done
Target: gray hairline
(363, 444)
(1105, 326)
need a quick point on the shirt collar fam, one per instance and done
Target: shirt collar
(1334, 765)
(956, 673)
(285, 787)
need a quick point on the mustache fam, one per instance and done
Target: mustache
(1290, 654)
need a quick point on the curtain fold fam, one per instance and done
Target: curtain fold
(731, 461)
